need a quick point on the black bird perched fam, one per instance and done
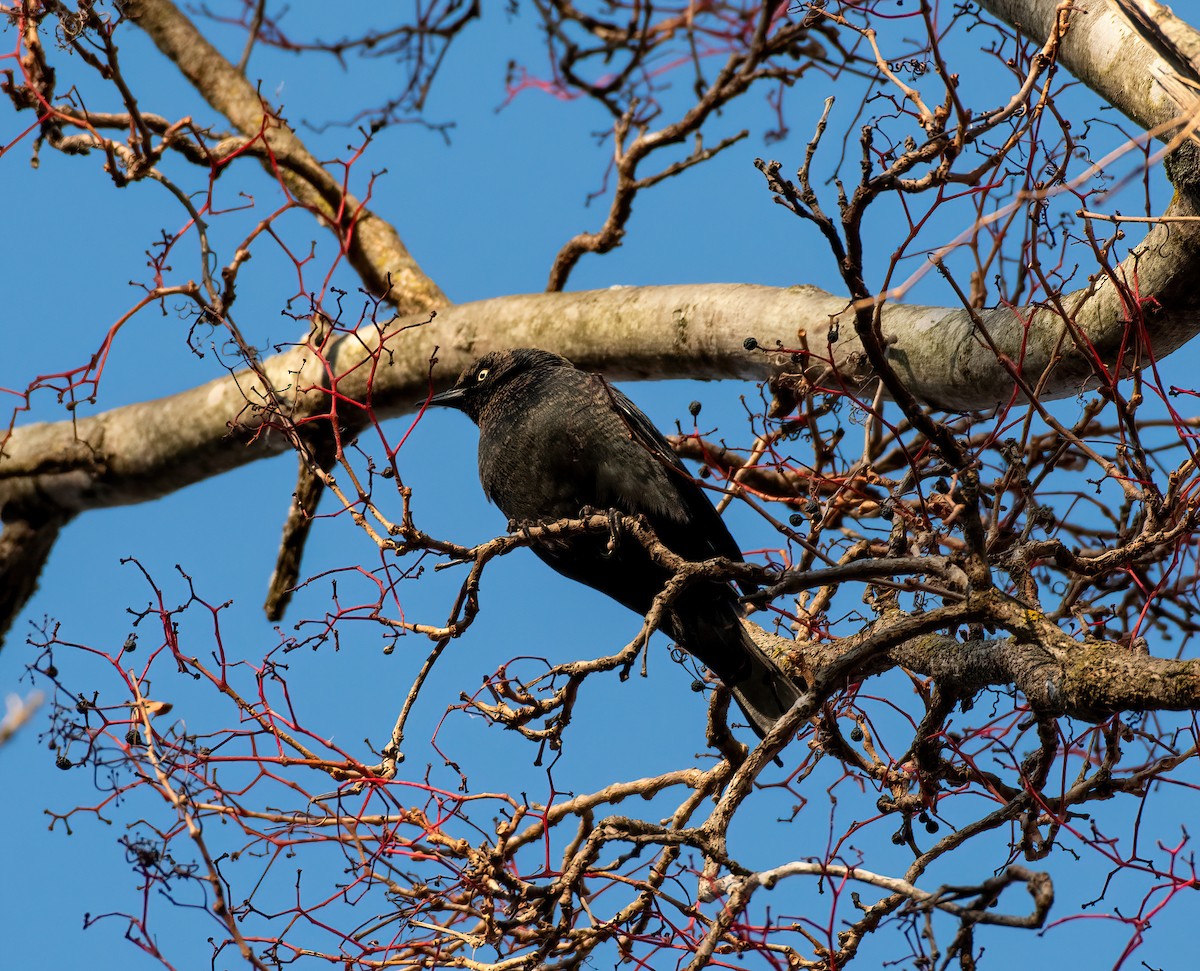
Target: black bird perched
(554, 440)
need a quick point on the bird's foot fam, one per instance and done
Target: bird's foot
(614, 531)
(521, 527)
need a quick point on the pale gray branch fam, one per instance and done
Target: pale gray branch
(1108, 52)
(17, 712)
(944, 898)
(149, 449)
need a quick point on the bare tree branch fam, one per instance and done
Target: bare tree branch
(372, 245)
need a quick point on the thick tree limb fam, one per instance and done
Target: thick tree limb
(149, 449)
(1110, 52)
(1058, 675)
(24, 548)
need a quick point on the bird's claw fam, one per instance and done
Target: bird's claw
(614, 526)
(521, 527)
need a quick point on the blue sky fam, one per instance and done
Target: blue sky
(484, 215)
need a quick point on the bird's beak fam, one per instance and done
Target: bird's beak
(451, 397)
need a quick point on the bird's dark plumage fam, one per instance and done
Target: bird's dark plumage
(554, 440)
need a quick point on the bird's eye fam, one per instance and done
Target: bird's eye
(482, 375)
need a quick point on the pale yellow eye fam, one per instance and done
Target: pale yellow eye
(482, 375)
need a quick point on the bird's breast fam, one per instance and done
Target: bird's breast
(536, 466)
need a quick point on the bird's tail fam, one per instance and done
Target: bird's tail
(763, 692)
(708, 624)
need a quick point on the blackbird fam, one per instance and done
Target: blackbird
(555, 441)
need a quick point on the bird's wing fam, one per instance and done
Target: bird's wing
(642, 429)
(698, 532)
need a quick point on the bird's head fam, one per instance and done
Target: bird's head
(494, 373)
